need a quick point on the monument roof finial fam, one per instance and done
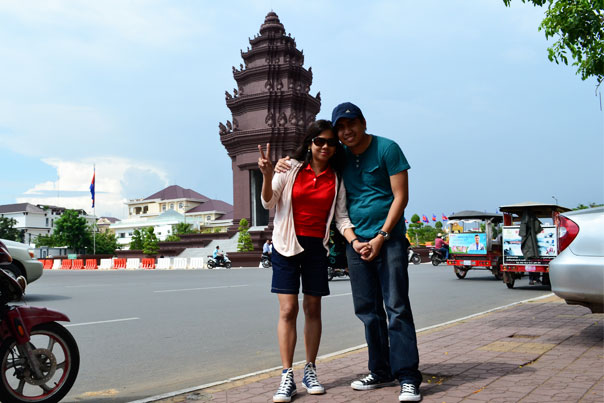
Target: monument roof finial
(272, 24)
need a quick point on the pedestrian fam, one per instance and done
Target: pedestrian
(306, 198)
(376, 181)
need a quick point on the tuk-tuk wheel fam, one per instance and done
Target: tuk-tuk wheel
(508, 279)
(497, 273)
(460, 271)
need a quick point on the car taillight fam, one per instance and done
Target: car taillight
(567, 232)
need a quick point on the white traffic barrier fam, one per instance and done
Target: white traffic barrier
(133, 263)
(196, 263)
(105, 264)
(56, 264)
(163, 263)
(180, 263)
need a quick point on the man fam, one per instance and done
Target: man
(218, 256)
(376, 180)
(476, 246)
(441, 245)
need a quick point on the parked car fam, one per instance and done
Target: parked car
(577, 273)
(23, 263)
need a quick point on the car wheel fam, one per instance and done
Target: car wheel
(13, 270)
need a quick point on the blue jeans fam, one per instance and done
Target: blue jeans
(390, 333)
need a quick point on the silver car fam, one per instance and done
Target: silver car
(23, 263)
(577, 274)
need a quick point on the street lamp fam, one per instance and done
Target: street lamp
(554, 197)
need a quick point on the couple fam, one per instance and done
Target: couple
(366, 180)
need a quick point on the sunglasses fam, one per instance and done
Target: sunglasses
(321, 141)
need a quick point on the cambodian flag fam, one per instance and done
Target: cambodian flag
(425, 219)
(445, 218)
(92, 187)
(433, 217)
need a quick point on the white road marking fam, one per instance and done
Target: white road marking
(207, 385)
(86, 285)
(203, 288)
(99, 322)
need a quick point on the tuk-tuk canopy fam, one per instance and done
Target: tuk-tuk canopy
(476, 215)
(539, 209)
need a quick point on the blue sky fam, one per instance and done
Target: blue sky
(137, 88)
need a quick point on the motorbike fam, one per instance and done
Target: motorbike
(226, 263)
(414, 257)
(265, 260)
(39, 358)
(437, 257)
(336, 272)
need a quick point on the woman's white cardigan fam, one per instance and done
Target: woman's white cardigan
(284, 233)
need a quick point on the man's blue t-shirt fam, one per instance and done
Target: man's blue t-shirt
(367, 180)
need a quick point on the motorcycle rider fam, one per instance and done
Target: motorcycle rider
(441, 246)
(267, 249)
(218, 256)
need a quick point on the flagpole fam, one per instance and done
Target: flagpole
(94, 213)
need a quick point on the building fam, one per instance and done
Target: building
(171, 206)
(34, 220)
(103, 223)
(271, 104)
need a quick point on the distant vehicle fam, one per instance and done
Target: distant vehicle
(23, 263)
(225, 262)
(577, 273)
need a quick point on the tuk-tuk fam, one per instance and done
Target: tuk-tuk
(473, 242)
(530, 239)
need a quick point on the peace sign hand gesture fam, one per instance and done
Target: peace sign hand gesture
(264, 162)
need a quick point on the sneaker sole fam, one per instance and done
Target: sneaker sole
(370, 387)
(310, 391)
(410, 398)
(284, 399)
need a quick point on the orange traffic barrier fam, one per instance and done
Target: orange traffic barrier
(47, 264)
(119, 263)
(77, 264)
(66, 264)
(148, 263)
(91, 264)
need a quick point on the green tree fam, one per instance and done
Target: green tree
(106, 243)
(582, 206)
(46, 240)
(8, 230)
(172, 238)
(578, 26)
(137, 240)
(438, 225)
(72, 231)
(244, 242)
(182, 228)
(150, 242)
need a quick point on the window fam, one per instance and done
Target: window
(180, 206)
(47, 221)
(171, 206)
(52, 222)
(129, 233)
(145, 209)
(122, 235)
(163, 207)
(208, 218)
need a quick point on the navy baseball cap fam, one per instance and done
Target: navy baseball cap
(346, 110)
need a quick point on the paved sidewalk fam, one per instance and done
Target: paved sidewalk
(540, 351)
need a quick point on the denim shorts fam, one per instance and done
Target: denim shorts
(311, 265)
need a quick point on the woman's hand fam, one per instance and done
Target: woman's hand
(264, 162)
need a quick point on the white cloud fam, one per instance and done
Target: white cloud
(113, 175)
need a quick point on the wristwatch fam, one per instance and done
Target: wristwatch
(384, 234)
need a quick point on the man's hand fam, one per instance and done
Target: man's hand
(362, 248)
(264, 162)
(282, 165)
(375, 245)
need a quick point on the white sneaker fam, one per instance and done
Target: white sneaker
(287, 388)
(310, 382)
(409, 393)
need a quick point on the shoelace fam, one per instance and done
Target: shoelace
(368, 378)
(287, 381)
(311, 376)
(408, 388)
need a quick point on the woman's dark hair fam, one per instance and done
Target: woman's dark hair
(314, 129)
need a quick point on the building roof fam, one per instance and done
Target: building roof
(20, 207)
(112, 220)
(176, 192)
(212, 205)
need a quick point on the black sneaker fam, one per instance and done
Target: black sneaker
(371, 382)
(287, 388)
(409, 393)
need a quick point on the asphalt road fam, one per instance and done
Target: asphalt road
(143, 333)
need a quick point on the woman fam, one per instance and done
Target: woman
(306, 198)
